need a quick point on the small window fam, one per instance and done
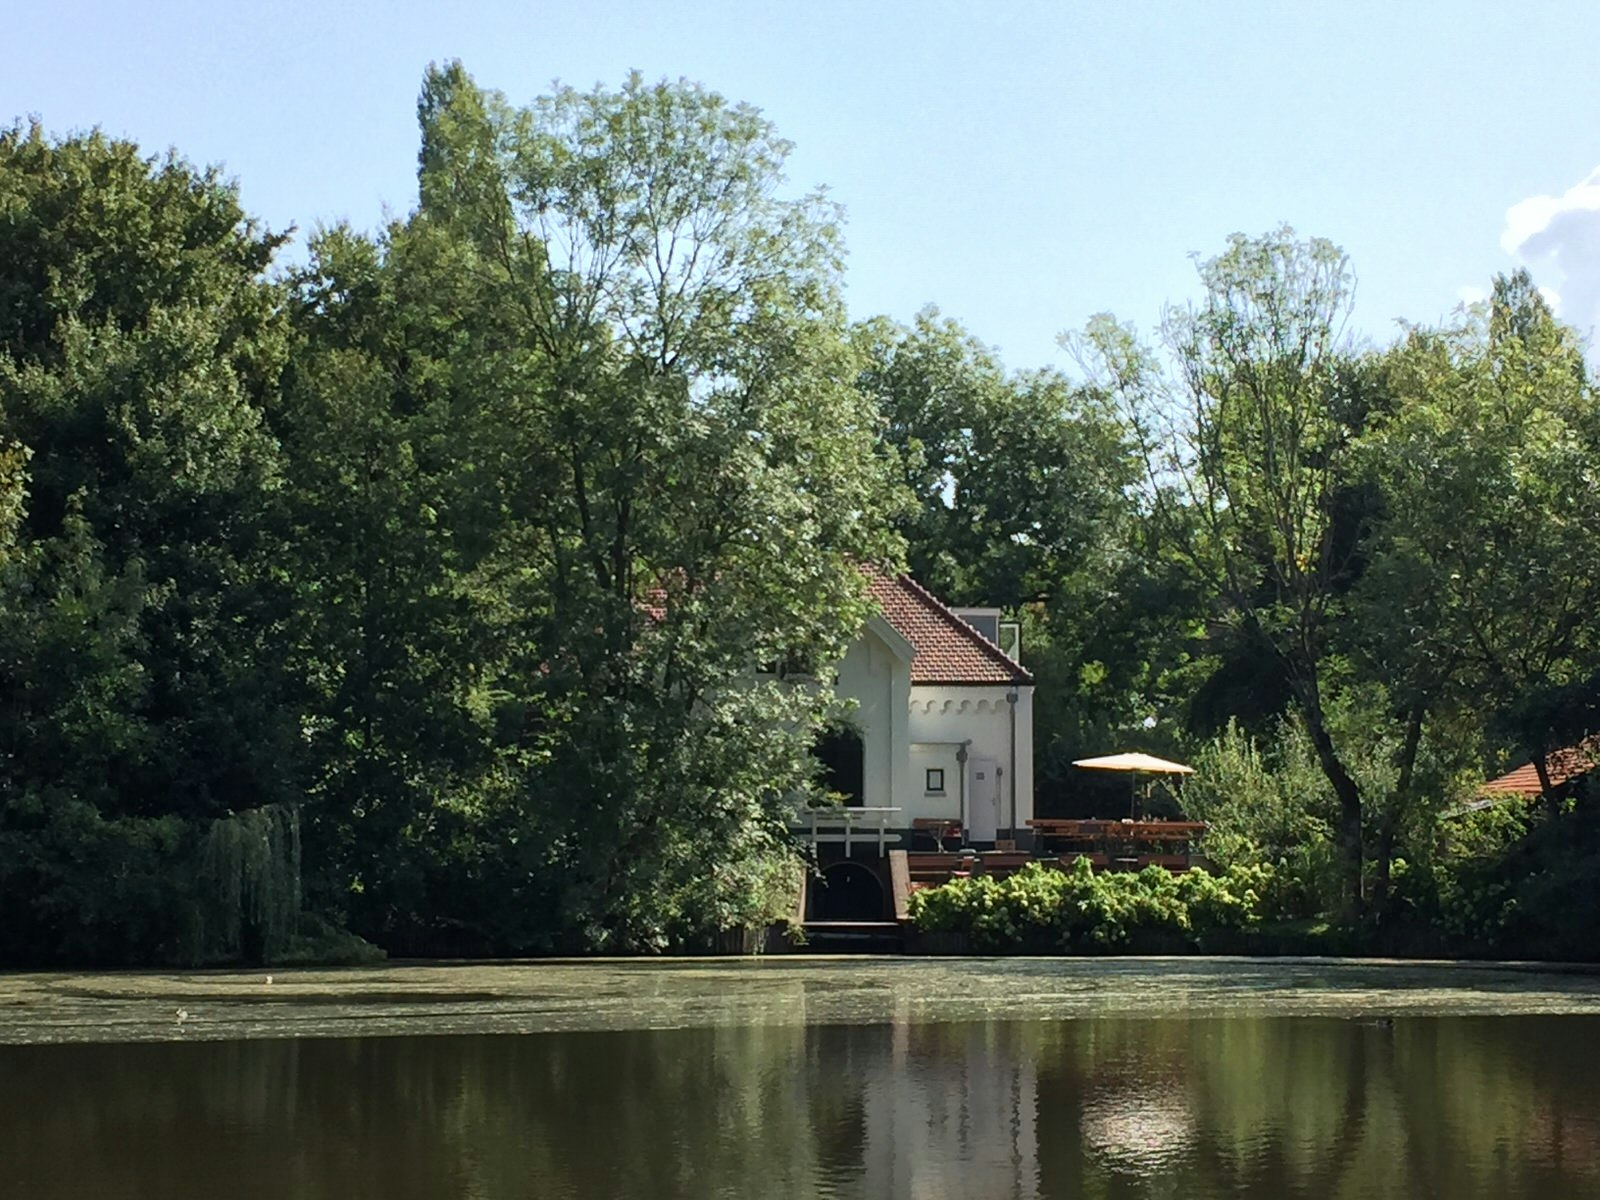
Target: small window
(935, 779)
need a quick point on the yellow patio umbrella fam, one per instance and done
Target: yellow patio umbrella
(1135, 764)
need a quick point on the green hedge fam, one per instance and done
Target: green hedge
(1042, 909)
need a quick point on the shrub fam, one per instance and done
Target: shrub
(1044, 909)
(1269, 806)
(1231, 901)
(76, 887)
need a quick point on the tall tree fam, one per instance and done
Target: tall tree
(13, 495)
(139, 343)
(1486, 574)
(1247, 447)
(1020, 478)
(393, 641)
(659, 475)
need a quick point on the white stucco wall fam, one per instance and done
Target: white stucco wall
(907, 729)
(941, 718)
(876, 673)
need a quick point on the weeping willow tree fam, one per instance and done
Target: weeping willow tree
(250, 873)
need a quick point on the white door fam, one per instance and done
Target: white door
(983, 799)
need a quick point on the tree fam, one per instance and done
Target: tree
(1020, 478)
(13, 496)
(376, 529)
(652, 419)
(1486, 574)
(1247, 448)
(139, 344)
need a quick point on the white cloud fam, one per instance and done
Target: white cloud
(1469, 293)
(1558, 238)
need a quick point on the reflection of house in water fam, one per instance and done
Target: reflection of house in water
(948, 1110)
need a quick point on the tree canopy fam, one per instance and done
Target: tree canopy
(417, 588)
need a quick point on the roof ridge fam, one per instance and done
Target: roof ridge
(1018, 673)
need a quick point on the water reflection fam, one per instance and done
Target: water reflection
(1457, 1107)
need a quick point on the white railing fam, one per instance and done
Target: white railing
(836, 823)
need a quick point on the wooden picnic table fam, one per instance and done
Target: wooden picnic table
(1125, 831)
(1123, 843)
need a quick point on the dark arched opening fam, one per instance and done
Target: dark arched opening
(842, 754)
(847, 891)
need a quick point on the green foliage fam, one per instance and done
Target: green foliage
(1020, 478)
(250, 875)
(77, 887)
(318, 942)
(1483, 573)
(1042, 909)
(598, 452)
(422, 587)
(1512, 880)
(138, 344)
(13, 495)
(139, 347)
(1269, 808)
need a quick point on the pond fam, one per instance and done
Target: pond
(795, 1077)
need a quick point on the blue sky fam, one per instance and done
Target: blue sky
(1021, 165)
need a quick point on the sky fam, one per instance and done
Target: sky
(1021, 165)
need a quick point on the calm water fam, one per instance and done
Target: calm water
(916, 1079)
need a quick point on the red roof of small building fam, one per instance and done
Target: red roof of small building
(1562, 766)
(946, 650)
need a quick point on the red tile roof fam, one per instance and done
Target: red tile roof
(946, 649)
(1561, 764)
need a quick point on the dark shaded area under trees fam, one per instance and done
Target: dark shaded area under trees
(413, 592)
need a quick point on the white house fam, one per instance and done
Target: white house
(943, 721)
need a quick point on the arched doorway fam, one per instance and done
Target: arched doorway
(842, 754)
(847, 891)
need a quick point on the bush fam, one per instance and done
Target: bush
(320, 943)
(1232, 901)
(1516, 882)
(78, 888)
(1271, 806)
(1042, 909)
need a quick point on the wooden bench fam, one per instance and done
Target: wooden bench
(931, 869)
(936, 868)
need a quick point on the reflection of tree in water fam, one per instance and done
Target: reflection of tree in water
(1278, 1107)
(1245, 1107)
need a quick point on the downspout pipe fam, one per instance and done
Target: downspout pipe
(961, 786)
(1011, 703)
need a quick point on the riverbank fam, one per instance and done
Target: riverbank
(570, 995)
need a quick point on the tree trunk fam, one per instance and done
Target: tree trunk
(1395, 810)
(1383, 858)
(1348, 793)
(1541, 766)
